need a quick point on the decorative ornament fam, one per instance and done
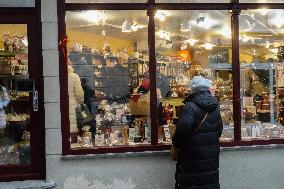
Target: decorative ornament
(63, 46)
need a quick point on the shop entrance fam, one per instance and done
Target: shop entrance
(21, 96)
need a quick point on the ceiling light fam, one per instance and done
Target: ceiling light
(93, 16)
(126, 27)
(208, 46)
(185, 26)
(160, 15)
(226, 32)
(191, 41)
(164, 35)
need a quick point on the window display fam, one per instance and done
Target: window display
(106, 1)
(261, 1)
(113, 104)
(261, 74)
(192, 1)
(14, 100)
(108, 78)
(190, 43)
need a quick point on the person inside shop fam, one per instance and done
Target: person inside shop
(195, 143)
(88, 94)
(145, 84)
(76, 98)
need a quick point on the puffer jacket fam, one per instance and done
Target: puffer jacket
(198, 161)
(76, 97)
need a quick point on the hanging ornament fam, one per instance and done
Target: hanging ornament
(63, 46)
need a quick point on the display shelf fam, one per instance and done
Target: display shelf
(220, 66)
(13, 76)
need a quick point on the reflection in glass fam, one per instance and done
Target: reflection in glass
(261, 1)
(108, 78)
(106, 1)
(262, 84)
(192, 43)
(14, 96)
(192, 1)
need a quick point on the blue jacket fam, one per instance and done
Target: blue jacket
(198, 160)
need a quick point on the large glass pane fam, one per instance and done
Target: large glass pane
(108, 78)
(17, 3)
(262, 84)
(106, 1)
(15, 95)
(192, 43)
(192, 1)
(261, 1)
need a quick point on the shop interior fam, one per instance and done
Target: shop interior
(108, 66)
(15, 93)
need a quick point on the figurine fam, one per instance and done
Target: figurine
(168, 112)
(87, 137)
(8, 43)
(125, 135)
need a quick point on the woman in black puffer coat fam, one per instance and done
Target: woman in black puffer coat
(198, 158)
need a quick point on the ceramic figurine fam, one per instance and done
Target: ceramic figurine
(87, 137)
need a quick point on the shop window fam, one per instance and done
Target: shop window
(17, 3)
(261, 1)
(192, 1)
(192, 43)
(108, 78)
(106, 1)
(15, 109)
(262, 84)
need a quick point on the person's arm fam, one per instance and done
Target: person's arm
(220, 123)
(184, 127)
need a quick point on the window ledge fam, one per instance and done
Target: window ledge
(254, 147)
(28, 184)
(163, 152)
(116, 155)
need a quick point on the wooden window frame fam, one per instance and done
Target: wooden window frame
(31, 17)
(151, 7)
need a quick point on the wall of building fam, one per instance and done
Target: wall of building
(17, 3)
(247, 169)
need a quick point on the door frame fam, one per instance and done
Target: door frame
(36, 170)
